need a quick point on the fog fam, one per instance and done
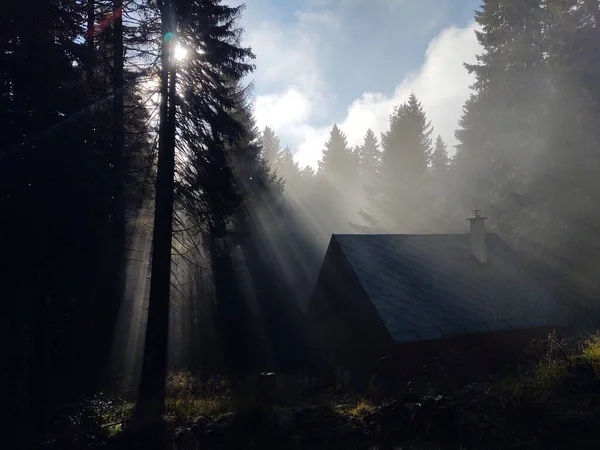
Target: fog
(526, 155)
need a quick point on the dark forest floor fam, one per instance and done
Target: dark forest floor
(554, 404)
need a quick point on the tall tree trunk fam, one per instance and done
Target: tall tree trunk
(118, 234)
(90, 41)
(119, 142)
(150, 405)
(231, 310)
(37, 375)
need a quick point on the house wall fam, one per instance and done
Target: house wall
(454, 362)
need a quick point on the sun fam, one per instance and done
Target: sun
(180, 52)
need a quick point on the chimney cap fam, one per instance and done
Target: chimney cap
(476, 215)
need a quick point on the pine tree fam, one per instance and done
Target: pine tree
(396, 199)
(57, 178)
(407, 145)
(119, 210)
(337, 175)
(355, 167)
(223, 162)
(150, 403)
(369, 161)
(369, 157)
(271, 146)
(272, 243)
(439, 158)
(441, 211)
(501, 122)
(121, 143)
(337, 162)
(258, 193)
(565, 181)
(308, 173)
(289, 170)
(526, 135)
(202, 117)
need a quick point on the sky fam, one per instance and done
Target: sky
(350, 62)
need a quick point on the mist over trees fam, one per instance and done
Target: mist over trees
(101, 109)
(526, 152)
(528, 147)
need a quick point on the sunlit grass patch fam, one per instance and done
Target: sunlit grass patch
(547, 376)
(536, 384)
(103, 416)
(591, 352)
(538, 381)
(350, 407)
(362, 408)
(114, 420)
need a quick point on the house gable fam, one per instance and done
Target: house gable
(344, 319)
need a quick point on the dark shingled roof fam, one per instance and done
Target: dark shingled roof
(428, 287)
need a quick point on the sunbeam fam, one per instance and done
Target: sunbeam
(130, 329)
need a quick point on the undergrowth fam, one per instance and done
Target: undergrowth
(559, 359)
(509, 411)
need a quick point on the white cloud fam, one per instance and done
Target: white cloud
(285, 55)
(282, 110)
(441, 84)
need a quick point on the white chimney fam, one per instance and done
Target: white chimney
(478, 241)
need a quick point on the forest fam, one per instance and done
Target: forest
(148, 225)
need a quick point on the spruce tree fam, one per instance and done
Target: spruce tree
(336, 164)
(565, 182)
(289, 171)
(338, 170)
(308, 173)
(63, 173)
(271, 146)
(369, 157)
(439, 158)
(407, 145)
(526, 135)
(502, 124)
(202, 118)
(223, 164)
(396, 199)
(152, 390)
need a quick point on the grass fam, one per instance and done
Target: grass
(190, 399)
(113, 419)
(591, 352)
(186, 410)
(361, 408)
